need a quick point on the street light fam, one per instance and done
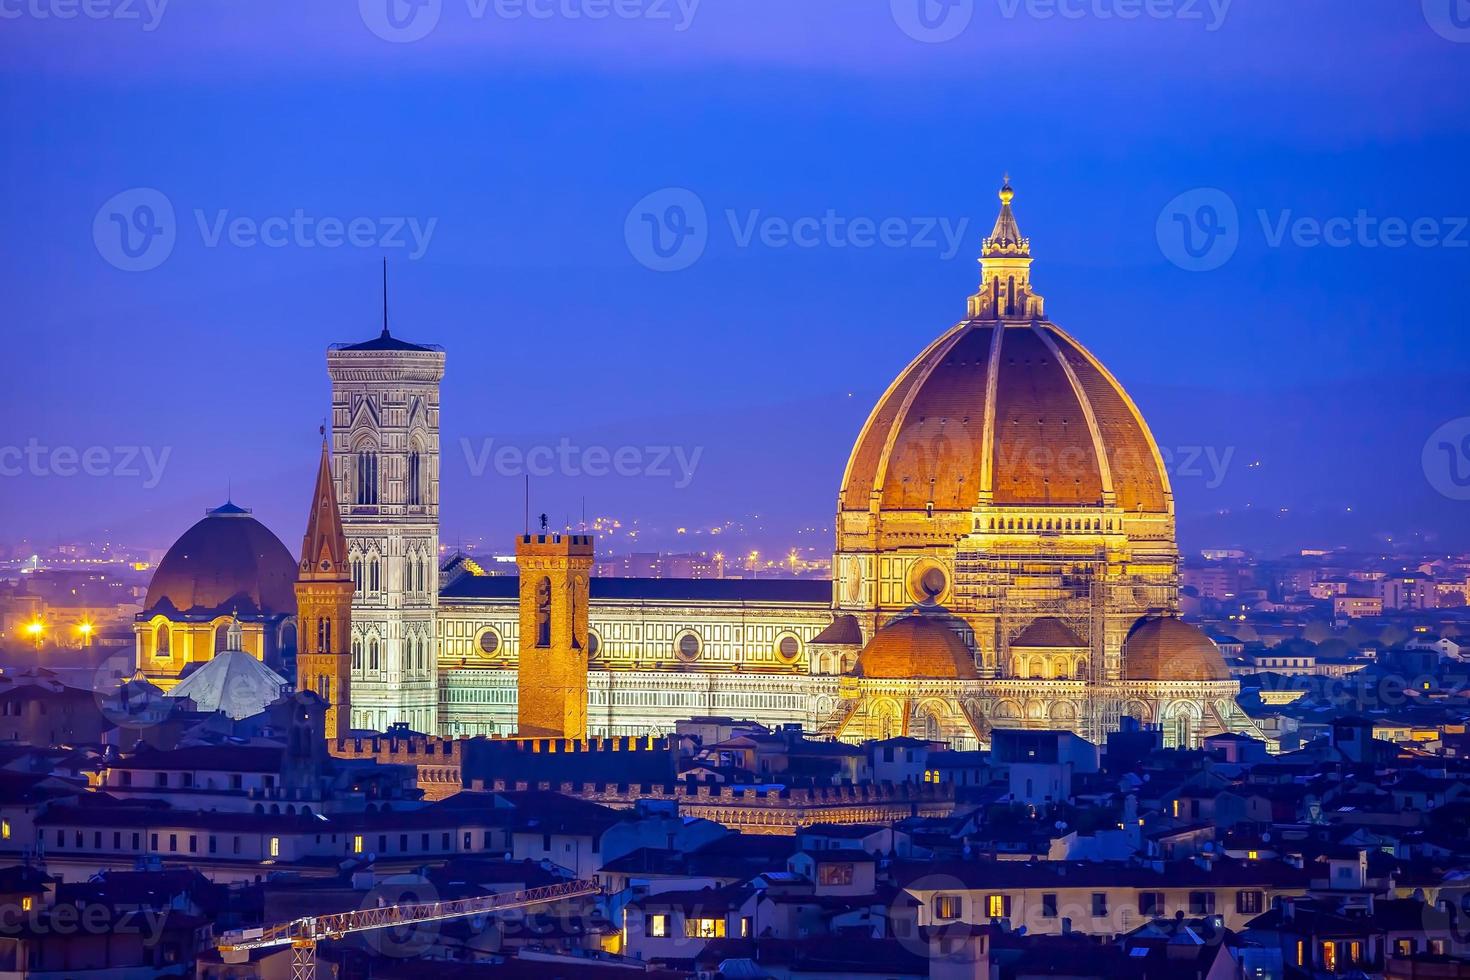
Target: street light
(35, 627)
(85, 628)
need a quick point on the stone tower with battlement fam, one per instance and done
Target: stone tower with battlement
(385, 448)
(552, 680)
(324, 592)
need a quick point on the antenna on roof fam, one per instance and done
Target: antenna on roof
(385, 296)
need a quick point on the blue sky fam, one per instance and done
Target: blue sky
(518, 145)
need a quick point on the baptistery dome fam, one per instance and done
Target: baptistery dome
(227, 563)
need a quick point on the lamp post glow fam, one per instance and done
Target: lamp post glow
(85, 628)
(36, 628)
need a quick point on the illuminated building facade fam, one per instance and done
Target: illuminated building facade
(1005, 557)
(385, 455)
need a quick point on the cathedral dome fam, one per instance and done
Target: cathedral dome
(228, 562)
(916, 647)
(1005, 407)
(1165, 648)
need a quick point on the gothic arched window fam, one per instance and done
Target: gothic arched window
(367, 477)
(415, 478)
(324, 635)
(373, 654)
(160, 641)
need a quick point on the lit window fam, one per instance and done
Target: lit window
(658, 926)
(357, 844)
(26, 902)
(275, 847)
(704, 928)
(5, 829)
(1253, 855)
(995, 906)
(1329, 957)
(948, 906)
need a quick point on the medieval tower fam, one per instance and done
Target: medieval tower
(552, 680)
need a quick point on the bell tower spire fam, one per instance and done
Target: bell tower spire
(324, 590)
(1005, 269)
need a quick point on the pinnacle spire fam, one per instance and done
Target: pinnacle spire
(385, 298)
(324, 540)
(1005, 238)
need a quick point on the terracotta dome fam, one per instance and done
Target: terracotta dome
(1007, 405)
(1064, 431)
(1165, 648)
(916, 647)
(228, 562)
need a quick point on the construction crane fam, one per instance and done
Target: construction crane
(303, 934)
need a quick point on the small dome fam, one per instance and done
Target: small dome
(1048, 633)
(228, 562)
(1165, 648)
(916, 647)
(233, 682)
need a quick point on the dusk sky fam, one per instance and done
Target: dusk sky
(1169, 169)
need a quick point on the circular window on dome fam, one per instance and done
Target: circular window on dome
(788, 647)
(687, 646)
(928, 581)
(594, 643)
(489, 643)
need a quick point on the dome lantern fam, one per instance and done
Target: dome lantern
(1005, 269)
